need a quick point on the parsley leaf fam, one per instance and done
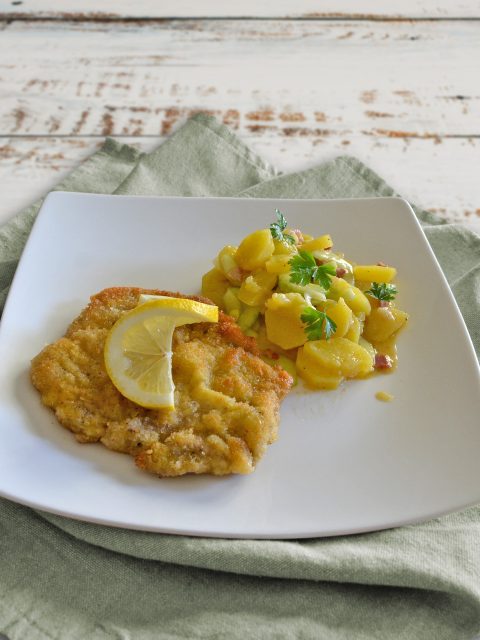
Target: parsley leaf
(281, 220)
(318, 324)
(382, 291)
(305, 270)
(302, 266)
(277, 229)
(323, 275)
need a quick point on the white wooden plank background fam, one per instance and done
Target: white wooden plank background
(111, 9)
(299, 78)
(402, 95)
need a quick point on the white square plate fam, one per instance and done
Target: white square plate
(344, 462)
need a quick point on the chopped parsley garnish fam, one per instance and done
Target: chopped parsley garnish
(382, 291)
(317, 324)
(277, 229)
(305, 270)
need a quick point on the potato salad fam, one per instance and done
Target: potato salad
(312, 311)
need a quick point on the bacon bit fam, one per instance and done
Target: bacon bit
(382, 361)
(381, 264)
(376, 303)
(340, 272)
(269, 353)
(299, 236)
(236, 274)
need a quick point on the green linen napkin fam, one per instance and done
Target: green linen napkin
(63, 579)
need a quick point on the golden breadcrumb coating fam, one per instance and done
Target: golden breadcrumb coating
(227, 399)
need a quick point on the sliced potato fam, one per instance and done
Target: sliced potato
(355, 299)
(318, 244)
(256, 288)
(340, 313)
(374, 273)
(255, 250)
(383, 322)
(214, 286)
(278, 263)
(337, 356)
(284, 248)
(225, 261)
(315, 376)
(282, 319)
(355, 329)
(368, 346)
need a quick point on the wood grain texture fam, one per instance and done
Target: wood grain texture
(293, 79)
(404, 97)
(430, 175)
(315, 9)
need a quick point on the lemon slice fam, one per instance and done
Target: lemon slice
(138, 349)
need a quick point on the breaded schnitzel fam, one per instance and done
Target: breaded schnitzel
(227, 398)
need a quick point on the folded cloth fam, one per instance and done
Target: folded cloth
(66, 579)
